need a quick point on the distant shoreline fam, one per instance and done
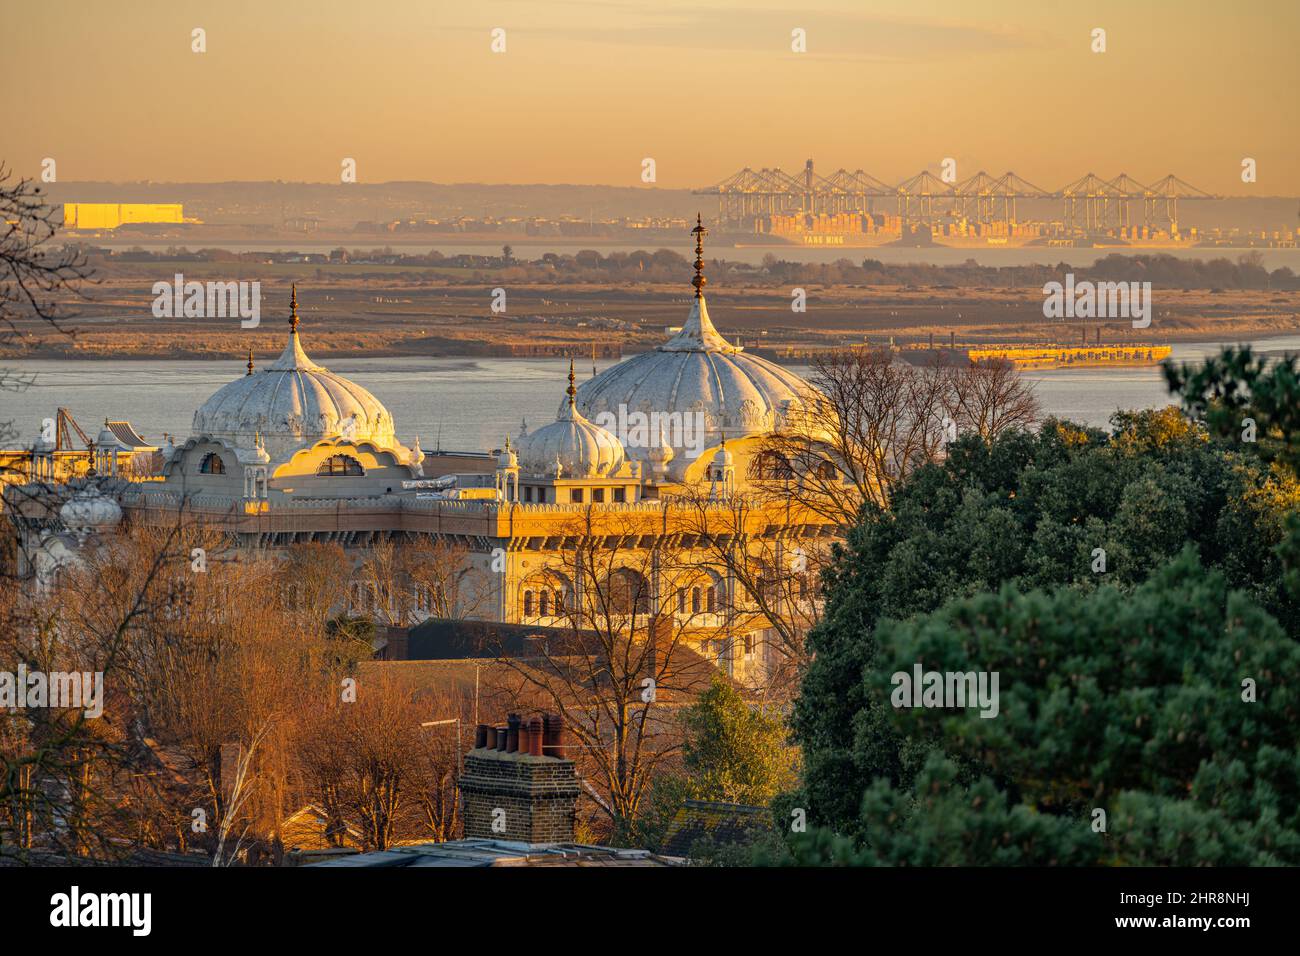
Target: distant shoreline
(333, 355)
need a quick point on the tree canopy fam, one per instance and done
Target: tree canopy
(1123, 585)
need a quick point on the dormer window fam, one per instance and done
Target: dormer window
(212, 465)
(340, 466)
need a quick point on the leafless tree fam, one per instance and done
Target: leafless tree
(313, 578)
(772, 554)
(619, 659)
(875, 419)
(990, 397)
(32, 273)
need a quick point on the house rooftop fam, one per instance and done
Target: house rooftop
(479, 852)
(721, 823)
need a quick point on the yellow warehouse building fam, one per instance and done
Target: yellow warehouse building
(101, 215)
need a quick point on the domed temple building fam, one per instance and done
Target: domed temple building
(652, 457)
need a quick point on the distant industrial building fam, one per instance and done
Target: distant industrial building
(110, 215)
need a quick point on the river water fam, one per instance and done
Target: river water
(464, 404)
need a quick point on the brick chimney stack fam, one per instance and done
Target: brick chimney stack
(518, 784)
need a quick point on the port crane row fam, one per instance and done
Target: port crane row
(1090, 203)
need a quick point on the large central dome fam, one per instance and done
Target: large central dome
(293, 403)
(697, 370)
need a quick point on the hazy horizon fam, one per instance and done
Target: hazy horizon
(587, 89)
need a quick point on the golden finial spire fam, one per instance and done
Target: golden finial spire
(250, 361)
(571, 391)
(699, 232)
(293, 310)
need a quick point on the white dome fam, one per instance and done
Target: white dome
(580, 448)
(89, 511)
(292, 404)
(697, 370)
(507, 459)
(108, 440)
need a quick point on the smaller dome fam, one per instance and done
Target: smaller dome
(571, 445)
(294, 403)
(90, 511)
(660, 454)
(661, 451)
(507, 458)
(107, 439)
(259, 455)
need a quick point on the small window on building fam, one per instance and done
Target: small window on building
(597, 496)
(575, 495)
(681, 600)
(620, 494)
(212, 465)
(528, 604)
(545, 608)
(771, 465)
(528, 493)
(340, 466)
(695, 600)
(710, 599)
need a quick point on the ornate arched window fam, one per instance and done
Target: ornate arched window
(528, 603)
(628, 592)
(771, 466)
(212, 464)
(544, 603)
(340, 466)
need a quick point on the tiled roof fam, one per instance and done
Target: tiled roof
(477, 853)
(723, 823)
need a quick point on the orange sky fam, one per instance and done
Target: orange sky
(588, 88)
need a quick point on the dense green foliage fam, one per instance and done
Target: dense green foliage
(734, 752)
(1121, 689)
(731, 752)
(1246, 399)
